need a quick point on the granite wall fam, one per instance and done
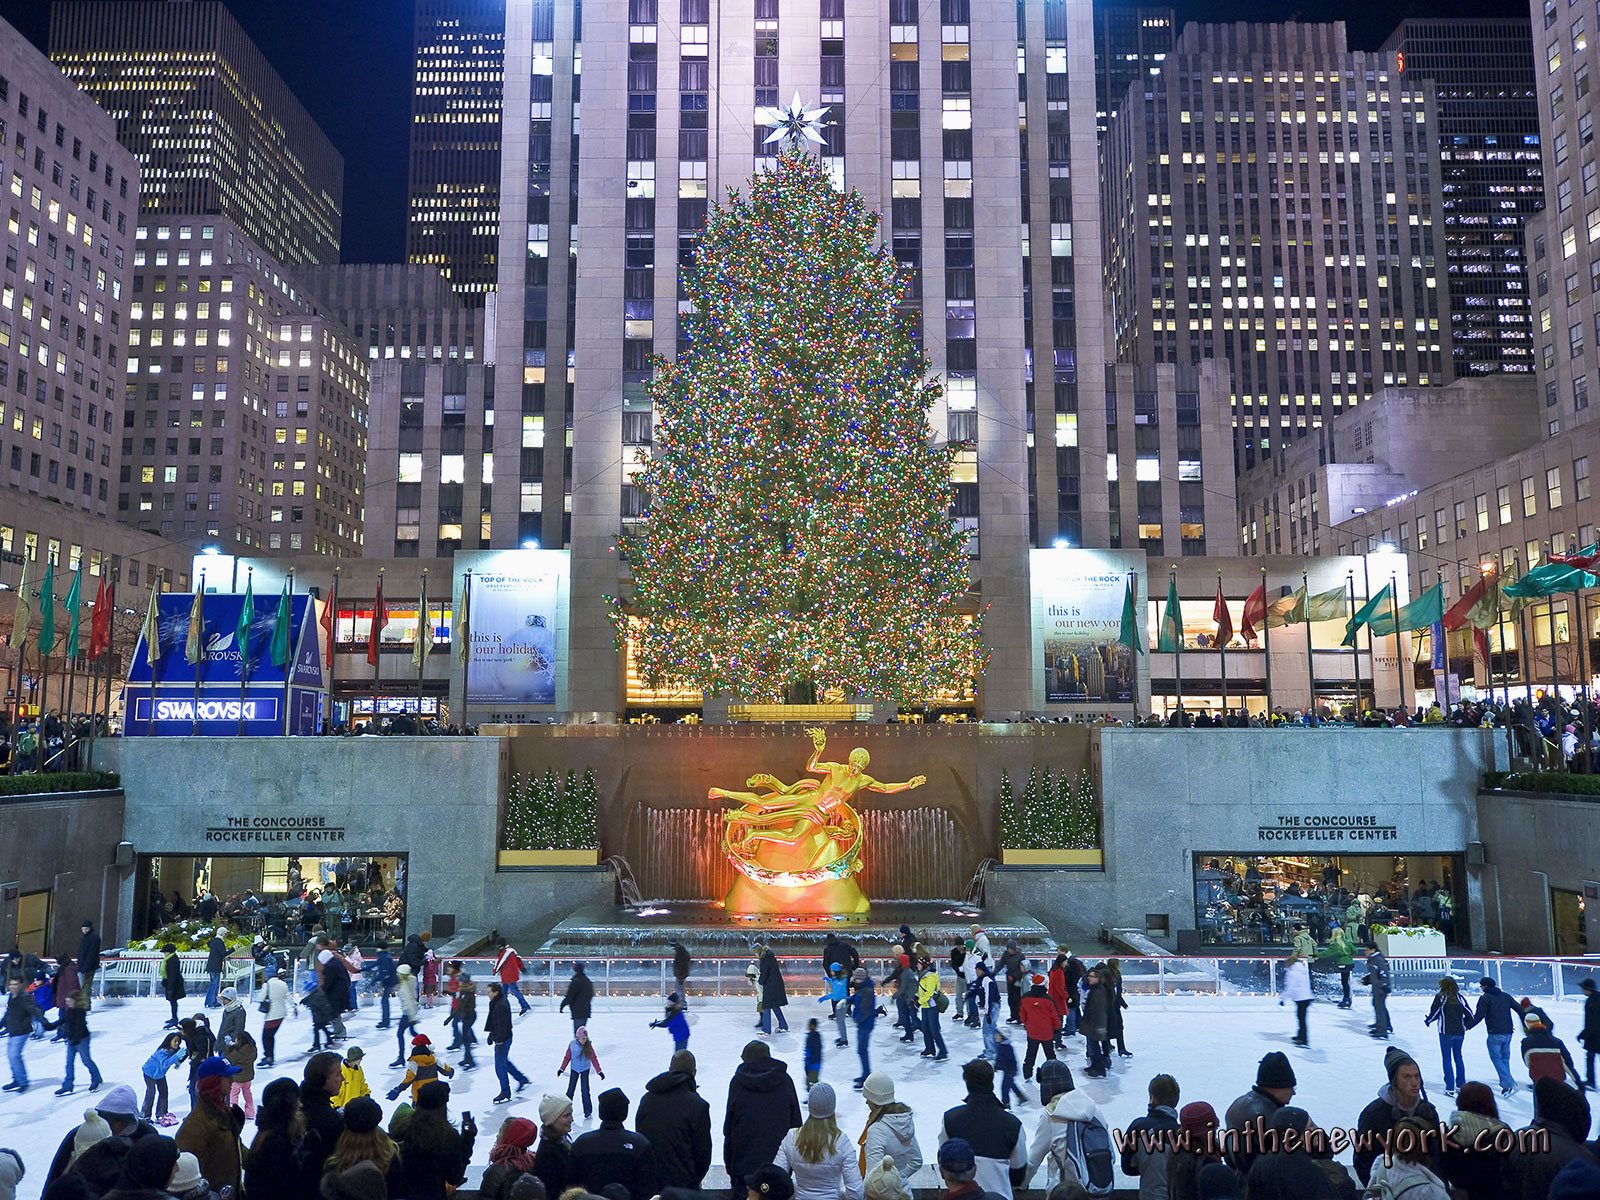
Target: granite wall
(1533, 843)
(65, 844)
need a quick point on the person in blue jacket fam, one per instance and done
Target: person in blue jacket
(864, 1012)
(675, 1023)
(838, 995)
(169, 1054)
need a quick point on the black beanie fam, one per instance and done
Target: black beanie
(362, 1115)
(433, 1095)
(1275, 1071)
(1394, 1058)
(149, 1164)
(1555, 1102)
(613, 1105)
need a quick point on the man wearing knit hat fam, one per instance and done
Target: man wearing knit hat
(762, 1106)
(1401, 1097)
(119, 1110)
(676, 1120)
(1561, 1120)
(1250, 1116)
(612, 1153)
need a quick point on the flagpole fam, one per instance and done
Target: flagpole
(333, 641)
(1177, 653)
(1355, 643)
(376, 644)
(1399, 658)
(200, 659)
(69, 735)
(1224, 649)
(244, 651)
(1266, 641)
(288, 662)
(110, 652)
(1311, 672)
(465, 628)
(421, 647)
(1583, 678)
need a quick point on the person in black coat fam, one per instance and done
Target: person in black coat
(88, 960)
(435, 1154)
(171, 982)
(682, 964)
(677, 1121)
(1302, 1173)
(579, 997)
(1401, 1097)
(324, 1077)
(270, 1170)
(614, 1153)
(1561, 1122)
(119, 1109)
(762, 1107)
(769, 977)
(1589, 1035)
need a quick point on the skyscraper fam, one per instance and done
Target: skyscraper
(1131, 41)
(1275, 202)
(72, 204)
(453, 202)
(246, 410)
(991, 205)
(214, 127)
(1490, 175)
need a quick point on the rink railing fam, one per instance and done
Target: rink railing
(544, 980)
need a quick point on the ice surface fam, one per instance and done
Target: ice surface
(1210, 1044)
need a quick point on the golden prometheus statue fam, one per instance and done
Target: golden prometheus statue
(797, 846)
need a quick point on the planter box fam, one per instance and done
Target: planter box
(547, 858)
(1053, 858)
(1415, 945)
(810, 713)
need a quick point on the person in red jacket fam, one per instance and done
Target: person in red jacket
(1041, 1022)
(1547, 1057)
(508, 969)
(1060, 997)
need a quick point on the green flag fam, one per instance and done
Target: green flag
(74, 599)
(1365, 614)
(1129, 636)
(1171, 640)
(247, 618)
(1550, 579)
(1426, 610)
(22, 614)
(280, 630)
(47, 609)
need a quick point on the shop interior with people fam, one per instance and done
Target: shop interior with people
(282, 899)
(1255, 900)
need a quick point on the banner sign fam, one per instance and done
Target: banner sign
(1078, 600)
(513, 623)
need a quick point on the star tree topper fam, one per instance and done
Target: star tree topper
(795, 125)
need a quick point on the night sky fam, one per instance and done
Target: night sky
(349, 62)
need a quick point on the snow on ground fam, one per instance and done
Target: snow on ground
(1211, 1045)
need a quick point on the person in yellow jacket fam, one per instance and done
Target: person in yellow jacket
(422, 1068)
(355, 1078)
(931, 1002)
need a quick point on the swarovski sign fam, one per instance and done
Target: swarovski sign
(257, 709)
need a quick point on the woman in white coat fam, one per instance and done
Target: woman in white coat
(821, 1159)
(1297, 987)
(891, 1129)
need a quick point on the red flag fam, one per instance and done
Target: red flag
(1223, 618)
(1480, 649)
(380, 618)
(1255, 611)
(1456, 615)
(329, 608)
(100, 624)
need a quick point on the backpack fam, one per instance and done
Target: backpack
(27, 744)
(1082, 1151)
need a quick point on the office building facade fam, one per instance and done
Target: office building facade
(1275, 202)
(399, 311)
(71, 205)
(215, 129)
(1491, 178)
(1131, 41)
(453, 199)
(246, 408)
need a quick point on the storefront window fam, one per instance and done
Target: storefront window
(1255, 900)
(357, 897)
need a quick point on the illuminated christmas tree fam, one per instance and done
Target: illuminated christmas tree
(797, 536)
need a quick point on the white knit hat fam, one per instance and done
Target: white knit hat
(94, 1129)
(884, 1182)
